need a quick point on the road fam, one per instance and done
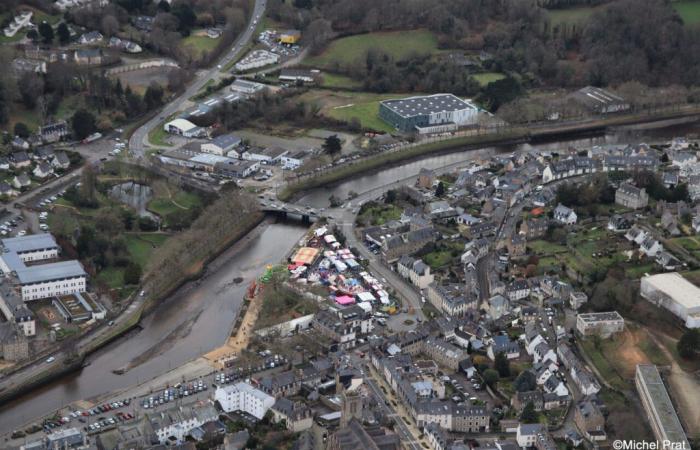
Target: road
(138, 138)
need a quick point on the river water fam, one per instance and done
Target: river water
(318, 198)
(207, 311)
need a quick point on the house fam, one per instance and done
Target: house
(4, 163)
(42, 170)
(256, 59)
(236, 169)
(631, 196)
(297, 417)
(54, 132)
(214, 32)
(6, 190)
(415, 270)
(636, 235)
(528, 434)
(521, 399)
(667, 261)
(60, 160)
(221, 145)
(651, 247)
(450, 298)
(88, 56)
(516, 246)
(565, 215)
(518, 290)
(534, 228)
(143, 23)
(584, 379)
(618, 223)
(90, 37)
(292, 161)
(20, 143)
(20, 160)
(18, 22)
(176, 423)
(590, 420)
(503, 344)
(21, 181)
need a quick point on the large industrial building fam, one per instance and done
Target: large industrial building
(659, 408)
(428, 113)
(676, 294)
(39, 281)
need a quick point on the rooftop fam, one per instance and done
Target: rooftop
(52, 271)
(675, 286)
(649, 376)
(600, 316)
(428, 104)
(29, 243)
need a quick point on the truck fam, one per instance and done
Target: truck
(92, 137)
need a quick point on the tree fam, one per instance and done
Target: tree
(33, 35)
(83, 123)
(3, 104)
(529, 415)
(132, 274)
(63, 33)
(332, 145)
(153, 96)
(502, 365)
(163, 6)
(186, 17)
(689, 344)
(109, 25)
(525, 382)
(440, 189)
(31, 87)
(22, 130)
(46, 32)
(491, 377)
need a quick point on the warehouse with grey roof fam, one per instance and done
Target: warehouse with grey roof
(428, 113)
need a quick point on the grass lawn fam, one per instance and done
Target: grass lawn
(112, 277)
(545, 247)
(18, 113)
(688, 10)
(487, 77)
(438, 259)
(604, 366)
(331, 80)
(200, 45)
(158, 136)
(570, 16)
(640, 270)
(181, 201)
(380, 214)
(398, 44)
(142, 245)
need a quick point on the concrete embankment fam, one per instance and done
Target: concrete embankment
(509, 136)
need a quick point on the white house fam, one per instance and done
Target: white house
(565, 215)
(292, 161)
(51, 280)
(20, 21)
(178, 422)
(527, 434)
(42, 170)
(244, 397)
(268, 155)
(651, 247)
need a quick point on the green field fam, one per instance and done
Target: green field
(198, 46)
(398, 44)
(365, 108)
(157, 136)
(181, 201)
(142, 245)
(487, 77)
(570, 16)
(331, 80)
(689, 11)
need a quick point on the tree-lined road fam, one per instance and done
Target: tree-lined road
(138, 139)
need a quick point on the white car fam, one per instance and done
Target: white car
(22, 233)
(50, 359)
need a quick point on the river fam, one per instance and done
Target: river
(318, 198)
(206, 311)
